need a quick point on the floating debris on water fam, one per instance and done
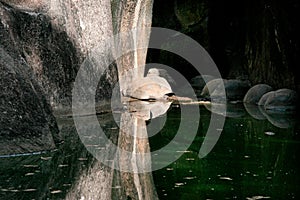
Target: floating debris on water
(183, 151)
(226, 178)
(30, 190)
(30, 166)
(190, 159)
(29, 174)
(63, 165)
(258, 197)
(179, 184)
(46, 158)
(190, 177)
(269, 133)
(56, 191)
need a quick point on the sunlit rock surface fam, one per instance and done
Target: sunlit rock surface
(29, 5)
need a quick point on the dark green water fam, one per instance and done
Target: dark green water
(253, 159)
(246, 163)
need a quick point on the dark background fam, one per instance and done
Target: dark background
(252, 40)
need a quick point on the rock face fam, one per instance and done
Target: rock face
(28, 5)
(26, 122)
(49, 42)
(53, 38)
(256, 92)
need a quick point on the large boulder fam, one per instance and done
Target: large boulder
(211, 86)
(235, 89)
(256, 92)
(279, 100)
(264, 98)
(199, 82)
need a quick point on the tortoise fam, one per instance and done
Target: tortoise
(152, 87)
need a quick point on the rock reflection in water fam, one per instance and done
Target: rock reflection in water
(279, 119)
(228, 110)
(129, 153)
(254, 111)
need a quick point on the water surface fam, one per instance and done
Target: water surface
(254, 158)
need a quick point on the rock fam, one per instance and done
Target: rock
(27, 124)
(280, 100)
(150, 87)
(199, 82)
(264, 98)
(256, 92)
(235, 89)
(54, 51)
(189, 12)
(29, 5)
(211, 86)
